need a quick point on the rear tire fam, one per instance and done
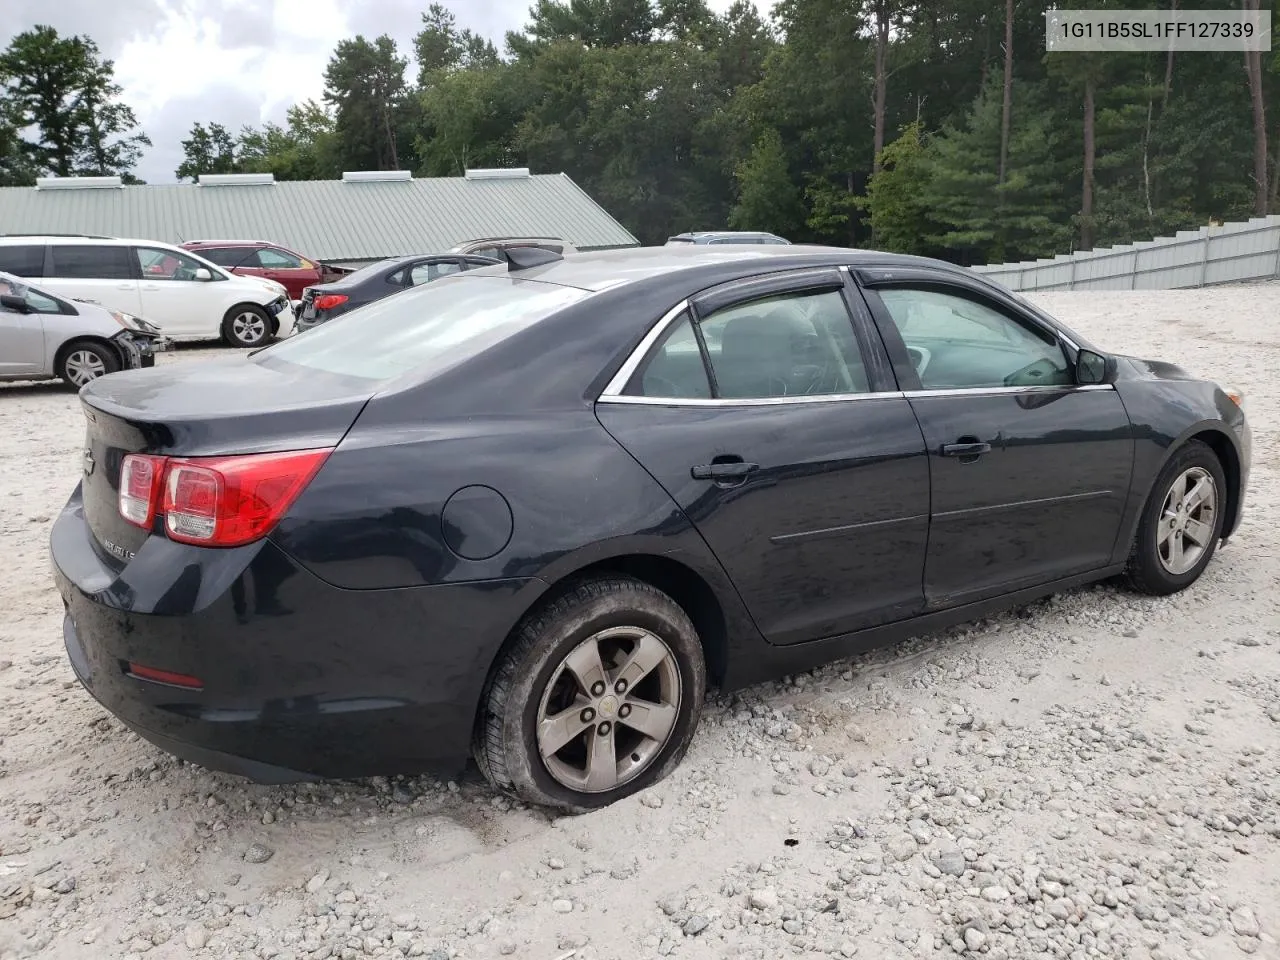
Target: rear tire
(246, 325)
(1181, 523)
(651, 674)
(86, 360)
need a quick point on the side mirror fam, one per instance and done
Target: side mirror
(11, 301)
(202, 273)
(1093, 367)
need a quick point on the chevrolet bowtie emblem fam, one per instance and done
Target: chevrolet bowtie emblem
(88, 461)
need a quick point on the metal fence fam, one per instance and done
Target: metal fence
(1229, 253)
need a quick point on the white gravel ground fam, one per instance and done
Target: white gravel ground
(1094, 776)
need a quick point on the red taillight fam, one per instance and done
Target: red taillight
(140, 477)
(229, 501)
(330, 300)
(165, 676)
(215, 501)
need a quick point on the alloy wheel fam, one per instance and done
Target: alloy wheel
(609, 709)
(1185, 529)
(84, 365)
(248, 327)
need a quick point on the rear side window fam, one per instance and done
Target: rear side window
(228, 257)
(674, 369)
(427, 329)
(71, 262)
(24, 261)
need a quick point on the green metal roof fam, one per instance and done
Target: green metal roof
(325, 219)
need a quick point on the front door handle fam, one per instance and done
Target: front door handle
(724, 470)
(968, 448)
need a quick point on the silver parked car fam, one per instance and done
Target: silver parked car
(45, 337)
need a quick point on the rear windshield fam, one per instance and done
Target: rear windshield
(425, 330)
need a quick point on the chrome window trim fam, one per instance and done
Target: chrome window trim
(1001, 391)
(612, 393)
(752, 401)
(613, 389)
(846, 397)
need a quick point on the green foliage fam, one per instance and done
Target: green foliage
(63, 89)
(767, 194)
(674, 118)
(897, 195)
(365, 83)
(209, 149)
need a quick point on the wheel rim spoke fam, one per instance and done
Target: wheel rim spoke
(1198, 532)
(584, 663)
(1175, 550)
(654, 720)
(649, 652)
(1199, 494)
(602, 762)
(557, 732)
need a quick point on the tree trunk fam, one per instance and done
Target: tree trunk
(1086, 200)
(1168, 67)
(882, 79)
(986, 54)
(1008, 89)
(1253, 63)
(1146, 167)
(1275, 176)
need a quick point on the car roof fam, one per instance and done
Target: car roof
(726, 233)
(230, 243)
(607, 269)
(78, 240)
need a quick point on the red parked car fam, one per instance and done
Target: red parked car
(258, 258)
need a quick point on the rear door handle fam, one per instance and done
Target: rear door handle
(731, 470)
(968, 448)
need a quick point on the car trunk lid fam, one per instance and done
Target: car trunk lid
(212, 409)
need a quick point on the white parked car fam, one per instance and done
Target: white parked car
(43, 337)
(185, 295)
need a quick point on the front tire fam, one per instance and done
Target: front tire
(85, 360)
(1181, 523)
(597, 698)
(246, 325)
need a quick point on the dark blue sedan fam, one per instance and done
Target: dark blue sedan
(528, 513)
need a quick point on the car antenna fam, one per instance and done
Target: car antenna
(522, 258)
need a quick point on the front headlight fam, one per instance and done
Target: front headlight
(1235, 394)
(126, 320)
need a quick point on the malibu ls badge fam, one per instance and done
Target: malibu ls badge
(118, 550)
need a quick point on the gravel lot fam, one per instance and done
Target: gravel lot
(1093, 776)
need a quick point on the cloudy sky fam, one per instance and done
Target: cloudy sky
(236, 61)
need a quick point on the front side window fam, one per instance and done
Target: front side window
(37, 302)
(278, 260)
(959, 343)
(91, 262)
(790, 345)
(425, 330)
(167, 264)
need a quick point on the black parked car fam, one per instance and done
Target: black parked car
(531, 513)
(324, 301)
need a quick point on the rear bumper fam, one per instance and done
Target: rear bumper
(300, 679)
